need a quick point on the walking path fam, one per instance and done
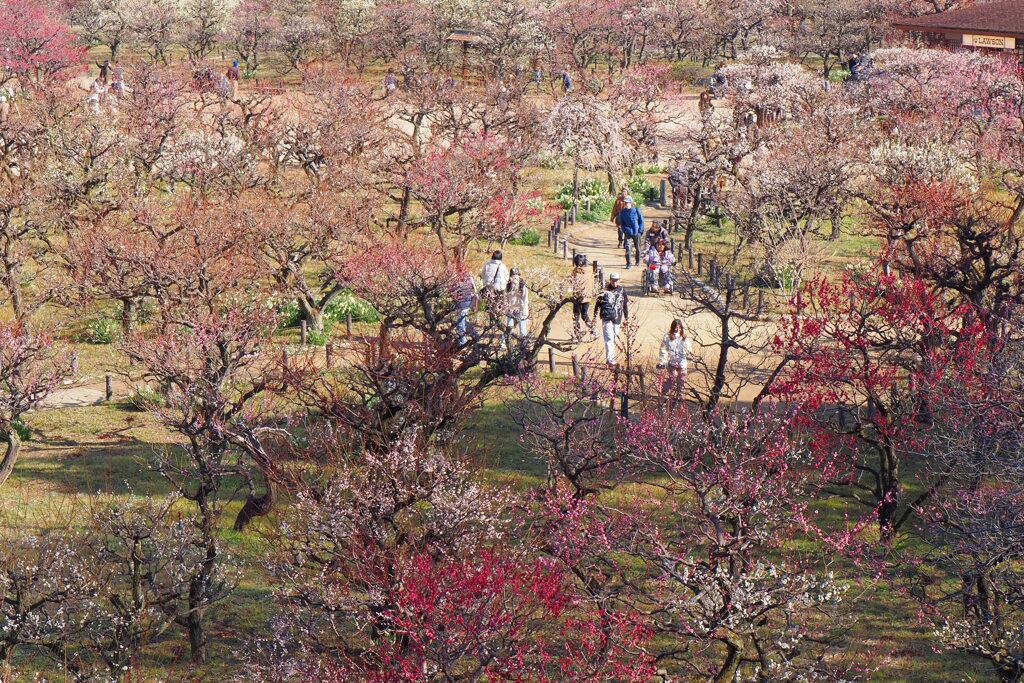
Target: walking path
(651, 315)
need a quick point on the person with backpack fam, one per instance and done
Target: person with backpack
(613, 307)
(631, 222)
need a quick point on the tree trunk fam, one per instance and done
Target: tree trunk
(256, 506)
(890, 492)
(723, 354)
(733, 658)
(127, 316)
(312, 314)
(13, 441)
(613, 187)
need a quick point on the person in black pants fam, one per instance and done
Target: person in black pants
(581, 284)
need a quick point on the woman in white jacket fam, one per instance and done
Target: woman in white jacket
(676, 347)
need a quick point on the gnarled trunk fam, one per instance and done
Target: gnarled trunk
(13, 442)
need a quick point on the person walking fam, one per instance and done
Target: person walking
(613, 307)
(494, 276)
(517, 304)
(466, 300)
(390, 83)
(566, 80)
(7, 103)
(117, 79)
(581, 286)
(234, 75)
(705, 104)
(631, 222)
(676, 348)
(104, 77)
(618, 206)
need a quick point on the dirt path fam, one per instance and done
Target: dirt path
(650, 315)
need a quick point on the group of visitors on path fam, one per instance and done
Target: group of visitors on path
(503, 290)
(658, 260)
(657, 254)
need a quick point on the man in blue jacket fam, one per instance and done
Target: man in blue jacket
(631, 223)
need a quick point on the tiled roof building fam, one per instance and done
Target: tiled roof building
(992, 26)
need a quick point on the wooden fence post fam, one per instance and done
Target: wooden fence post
(284, 357)
(663, 195)
(109, 389)
(689, 257)
(700, 264)
(760, 301)
(330, 356)
(575, 366)
(303, 331)
(551, 360)
(348, 324)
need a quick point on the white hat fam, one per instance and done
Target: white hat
(613, 275)
(628, 200)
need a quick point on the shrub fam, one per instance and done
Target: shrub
(600, 210)
(100, 331)
(22, 430)
(314, 338)
(641, 189)
(647, 169)
(528, 238)
(593, 189)
(143, 399)
(347, 302)
(689, 72)
(343, 304)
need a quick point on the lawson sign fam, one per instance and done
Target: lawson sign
(997, 42)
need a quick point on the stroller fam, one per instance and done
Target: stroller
(658, 276)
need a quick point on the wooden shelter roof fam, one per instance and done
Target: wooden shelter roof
(993, 18)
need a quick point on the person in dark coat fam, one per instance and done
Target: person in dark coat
(631, 222)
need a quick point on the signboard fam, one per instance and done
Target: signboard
(997, 42)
